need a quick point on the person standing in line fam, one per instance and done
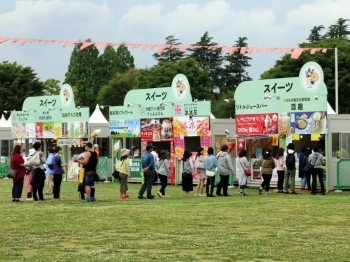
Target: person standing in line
(57, 173)
(81, 189)
(49, 171)
(242, 165)
(210, 164)
(38, 181)
(163, 170)
(89, 164)
(17, 163)
(225, 167)
(307, 172)
(124, 173)
(187, 177)
(316, 160)
(201, 171)
(290, 164)
(280, 169)
(267, 166)
(29, 176)
(302, 175)
(148, 168)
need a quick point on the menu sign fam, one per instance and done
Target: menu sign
(257, 124)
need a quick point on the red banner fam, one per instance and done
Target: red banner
(257, 124)
(160, 129)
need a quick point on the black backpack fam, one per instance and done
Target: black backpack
(290, 161)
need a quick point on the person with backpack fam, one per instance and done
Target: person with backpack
(316, 160)
(302, 163)
(267, 166)
(290, 163)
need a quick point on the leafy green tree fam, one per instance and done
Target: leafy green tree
(287, 67)
(235, 67)
(315, 35)
(114, 92)
(171, 53)
(162, 75)
(51, 87)
(17, 82)
(108, 65)
(339, 30)
(208, 57)
(125, 60)
(83, 73)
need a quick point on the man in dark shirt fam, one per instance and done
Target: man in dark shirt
(89, 164)
(148, 168)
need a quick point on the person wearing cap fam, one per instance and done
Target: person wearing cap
(29, 176)
(89, 164)
(162, 168)
(38, 180)
(49, 171)
(124, 173)
(225, 167)
(148, 169)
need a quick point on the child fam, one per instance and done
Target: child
(81, 189)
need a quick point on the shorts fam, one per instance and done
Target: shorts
(89, 179)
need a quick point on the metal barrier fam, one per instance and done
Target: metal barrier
(343, 173)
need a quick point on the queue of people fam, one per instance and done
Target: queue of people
(37, 169)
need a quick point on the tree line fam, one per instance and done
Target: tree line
(106, 77)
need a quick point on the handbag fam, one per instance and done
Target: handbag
(199, 164)
(247, 172)
(35, 160)
(184, 173)
(209, 173)
(310, 167)
(12, 173)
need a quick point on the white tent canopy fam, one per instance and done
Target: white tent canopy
(97, 117)
(3, 121)
(8, 122)
(330, 110)
(212, 116)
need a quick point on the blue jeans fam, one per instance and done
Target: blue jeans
(303, 181)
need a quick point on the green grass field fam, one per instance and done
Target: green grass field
(255, 228)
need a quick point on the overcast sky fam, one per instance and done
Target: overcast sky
(269, 23)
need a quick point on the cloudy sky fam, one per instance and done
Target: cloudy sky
(269, 23)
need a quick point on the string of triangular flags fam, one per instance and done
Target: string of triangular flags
(296, 52)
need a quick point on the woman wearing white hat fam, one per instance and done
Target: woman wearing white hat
(124, 173)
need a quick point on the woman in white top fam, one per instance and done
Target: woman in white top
(162, 168)
(242, 165)
(316, 160)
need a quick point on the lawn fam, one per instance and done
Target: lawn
(254, 228)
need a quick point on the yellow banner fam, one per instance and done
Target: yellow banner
(295, 137)
(315, 137)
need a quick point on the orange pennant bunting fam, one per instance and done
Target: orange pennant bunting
(243, 50)
(183, 48)
(99, 45)
(24, 41)
(232, 50)
(297, 52)
(85, 45)
(14, 40)
(324, 50)
(40, 40)
(251, 50)
(3, 39)
(145, 46)
(314, 50)
(67, 43)
(161, 48)
(152, 46)
(223, 49)
(261, 49)
(47, 41)
(271, 49)
(282, 50)
(33, 40)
